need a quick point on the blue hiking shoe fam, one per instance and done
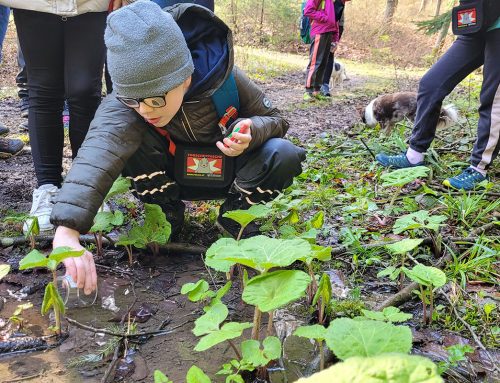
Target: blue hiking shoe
(467, 180)
(398, 161)
(325, 90)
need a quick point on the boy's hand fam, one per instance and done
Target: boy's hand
(82, 269)
(237, 142)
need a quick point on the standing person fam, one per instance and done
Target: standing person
(324, 31)
(63, 46)
(467, 53)
(339, 14)
(8, 147)
(162, 127)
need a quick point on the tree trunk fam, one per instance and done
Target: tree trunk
(438, 8)
(438, 45)
(261, 25)
(234, 18)
(423, 5)
(390, 10)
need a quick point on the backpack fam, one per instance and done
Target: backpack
(305, 26)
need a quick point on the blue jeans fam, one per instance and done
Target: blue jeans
(4, 22)
(206, 3)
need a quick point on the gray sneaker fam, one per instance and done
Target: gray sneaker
(43, 202)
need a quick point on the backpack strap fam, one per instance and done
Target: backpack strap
(226, 102)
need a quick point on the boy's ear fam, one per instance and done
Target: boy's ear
(187, 83)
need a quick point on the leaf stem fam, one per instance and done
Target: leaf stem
(238, 355)
(256, 323)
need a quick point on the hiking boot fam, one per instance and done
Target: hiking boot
(228, 226)
(43, 202)
(10, 147)
(174, 212)
(24, 107)
(3, 129)
(308, 97)
(467, 180)
(398, 161)
(325, 90)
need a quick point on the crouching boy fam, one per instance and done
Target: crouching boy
(177, 99)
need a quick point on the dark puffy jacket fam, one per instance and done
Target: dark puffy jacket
(117, 131)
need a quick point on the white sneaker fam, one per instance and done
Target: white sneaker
(43, 202)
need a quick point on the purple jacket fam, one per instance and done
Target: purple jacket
(322, 20)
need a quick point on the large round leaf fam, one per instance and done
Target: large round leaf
(230, 330)
(388, 368)
(211, 320)
(211, 259)
(403, 246)
(274, 290)
(315, 331)
(348, 337)
(426, 275)
(263, 253)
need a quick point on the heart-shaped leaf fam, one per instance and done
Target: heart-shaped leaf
(389, 314)
(418, 220)
(401, 177)
(104, 221)
(211, 259)
(404, 246)
(426, 275)
(59, 254)
(229, 330)
(120, 186)
(4, 270)
(257, 357)
(347, 337)
(273, 290)
(244, 217)
(33, 259)
(211, 320)
(196, 375)
(315, 331)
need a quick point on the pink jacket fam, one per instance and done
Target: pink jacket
(322, 20)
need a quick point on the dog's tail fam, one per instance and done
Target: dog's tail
(448, 116)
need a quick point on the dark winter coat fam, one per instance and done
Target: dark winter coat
(117, 131)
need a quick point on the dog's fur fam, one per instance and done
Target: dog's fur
(388, 109)
(339, 75)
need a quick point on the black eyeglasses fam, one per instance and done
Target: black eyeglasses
(153, 102)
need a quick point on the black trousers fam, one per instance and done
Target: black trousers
(64, 59)
(465, 55)
(318, 58)
(258, 176)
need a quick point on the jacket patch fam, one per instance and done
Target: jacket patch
(267, 102)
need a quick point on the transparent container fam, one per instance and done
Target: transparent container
(71, 295)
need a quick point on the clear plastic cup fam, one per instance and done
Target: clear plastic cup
(71, 295)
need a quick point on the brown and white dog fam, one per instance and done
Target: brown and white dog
(388, 109)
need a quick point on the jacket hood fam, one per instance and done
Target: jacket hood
(211, 44)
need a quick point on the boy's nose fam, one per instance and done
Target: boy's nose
(143, 108)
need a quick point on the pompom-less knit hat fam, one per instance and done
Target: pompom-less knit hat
(147, 53)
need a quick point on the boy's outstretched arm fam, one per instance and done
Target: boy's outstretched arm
(267, 121)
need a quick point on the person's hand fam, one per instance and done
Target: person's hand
(82, 269)
(235, 148)
(119, 3)
(334, 47)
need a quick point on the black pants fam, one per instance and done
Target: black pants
(258, 176)
(64, 59)
(318, 58)
(331, 61)
(465, 55)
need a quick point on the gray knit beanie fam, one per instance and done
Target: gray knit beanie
(147, 52)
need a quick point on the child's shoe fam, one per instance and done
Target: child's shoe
(467, 180)
(319, 96)
(10, 147)
(398, 161)
(308, 97)
(325, 90)
(24, 107)
(43, 202)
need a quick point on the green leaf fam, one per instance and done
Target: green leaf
(263, 253)
(426, 275)
(244, 217)
(229, 330)
(159, 377)
(20, 308)
(403, 246)
(196, 291)
(32, 260)
(388, 368)
(321, 253)
(104, 221)
(120, 186)
(212, 252)
(196, 375)
(389, 314)
(156, 226)
(273, 290)
(401, 177)
(4, 270)
(257, 357)
(34, 228)
(418, 220)
(389, 271)
(52, 298)
(348, 337)
(211, 320)
(59, 254)
(315, 331)
(318, 220)
(324, 290)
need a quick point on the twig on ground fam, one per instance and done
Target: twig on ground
(23, 378)
(110, 371)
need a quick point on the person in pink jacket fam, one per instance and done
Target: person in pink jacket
(324, 31)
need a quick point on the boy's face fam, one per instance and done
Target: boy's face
(163, 115)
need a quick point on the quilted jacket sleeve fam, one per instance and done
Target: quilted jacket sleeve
(115, 134)
(267, 121)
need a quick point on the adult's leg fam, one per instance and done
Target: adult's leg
(41, 39)
(4, 23)
(487, 143)
(22, 81)
(84, 54)
(328, 69)
(465, 55)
